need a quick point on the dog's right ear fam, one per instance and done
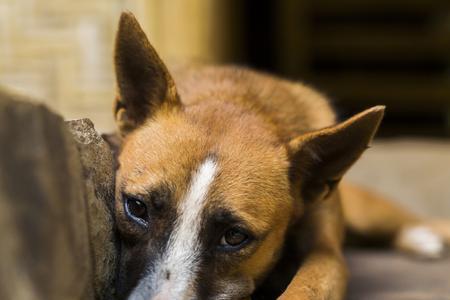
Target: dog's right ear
(144, 83)
(114, 142)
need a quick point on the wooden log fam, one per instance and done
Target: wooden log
(98, 174)
(56, 192)
(44, 248)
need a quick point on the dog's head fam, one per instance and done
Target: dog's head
(205, 193)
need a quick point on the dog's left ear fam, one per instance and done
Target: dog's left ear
(144, 83)
(319, 159)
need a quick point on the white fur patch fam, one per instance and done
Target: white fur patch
(182, 255)
(421, 240)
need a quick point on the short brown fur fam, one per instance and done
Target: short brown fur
(280, 152)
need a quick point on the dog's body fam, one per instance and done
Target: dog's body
(227, 185)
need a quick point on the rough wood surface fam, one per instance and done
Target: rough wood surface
(98, 175)
(56, 193)
(44, 249)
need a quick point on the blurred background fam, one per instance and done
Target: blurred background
(359, 52)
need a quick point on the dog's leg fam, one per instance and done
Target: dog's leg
(323, 273)
(322, 276)
(372, 217)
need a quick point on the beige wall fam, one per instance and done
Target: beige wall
(60, 51)
(188, 29)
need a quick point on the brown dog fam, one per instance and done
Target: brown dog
(227, 186)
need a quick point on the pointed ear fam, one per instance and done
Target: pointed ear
(143, 80)
(319, 159)
(114, 142)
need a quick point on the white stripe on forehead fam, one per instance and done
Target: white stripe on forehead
(183, 249)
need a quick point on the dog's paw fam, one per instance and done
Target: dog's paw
(421, 240)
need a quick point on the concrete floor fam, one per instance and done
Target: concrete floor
(413, 172)
(386, 275)
(416, 174)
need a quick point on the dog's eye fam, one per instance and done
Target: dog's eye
(233, 239)
(136, 209)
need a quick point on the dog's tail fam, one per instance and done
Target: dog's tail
(371, 218)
